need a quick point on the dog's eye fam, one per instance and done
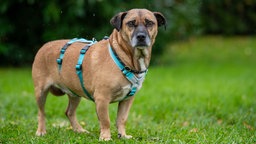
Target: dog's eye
(131, 23)
(149, 23)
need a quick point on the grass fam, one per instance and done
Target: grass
(203, 93)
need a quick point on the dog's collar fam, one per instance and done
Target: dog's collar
(136, 81)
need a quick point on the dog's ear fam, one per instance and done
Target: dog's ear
(117, 20)
(161, 21)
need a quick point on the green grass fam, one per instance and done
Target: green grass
(204, 93)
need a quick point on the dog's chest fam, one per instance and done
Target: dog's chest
(122, 93)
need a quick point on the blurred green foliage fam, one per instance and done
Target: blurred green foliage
(229, 16)
(25, 25)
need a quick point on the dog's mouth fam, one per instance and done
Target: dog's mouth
(142, 44)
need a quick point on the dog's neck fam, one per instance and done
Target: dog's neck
(132, 57)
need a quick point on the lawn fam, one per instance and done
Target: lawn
(204, 91)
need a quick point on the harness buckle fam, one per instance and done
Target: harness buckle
(105, 37)
(83, 51)
(59, 61)
(62, 51)
(133, 91)
(78, 67)
(93, 40)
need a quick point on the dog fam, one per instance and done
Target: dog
(111, 70)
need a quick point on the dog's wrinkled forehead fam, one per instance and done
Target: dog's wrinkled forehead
(139, 15)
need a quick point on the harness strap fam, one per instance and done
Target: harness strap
(79, 69)
(64, 48)
(120, 63)
(135, 81)
(78, 66)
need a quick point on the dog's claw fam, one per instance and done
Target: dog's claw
(40, 133)
(124, 136)
(104, 139)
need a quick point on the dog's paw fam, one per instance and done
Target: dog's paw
(124, 136)
(105, 135)
(40, 132)
(105, 138)
(127, 137)
(81, 131)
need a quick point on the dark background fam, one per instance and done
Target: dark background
(25, 25)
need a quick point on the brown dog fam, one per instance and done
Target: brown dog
(112, 70)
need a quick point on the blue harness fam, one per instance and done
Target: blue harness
(136, 81)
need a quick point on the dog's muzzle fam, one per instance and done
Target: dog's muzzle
(140, 38)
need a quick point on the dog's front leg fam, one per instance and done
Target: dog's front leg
(122, 115)
(103, 116)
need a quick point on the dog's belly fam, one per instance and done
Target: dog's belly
(66, 90)
(119, 95)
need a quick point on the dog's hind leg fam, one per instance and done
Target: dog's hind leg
(41, 95)
(71, 113)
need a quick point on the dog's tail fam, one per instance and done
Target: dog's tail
(56, 91)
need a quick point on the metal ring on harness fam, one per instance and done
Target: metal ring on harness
(127, 68)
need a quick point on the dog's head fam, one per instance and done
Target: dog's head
(138, 27)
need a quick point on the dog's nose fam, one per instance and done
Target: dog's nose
(141, 37)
